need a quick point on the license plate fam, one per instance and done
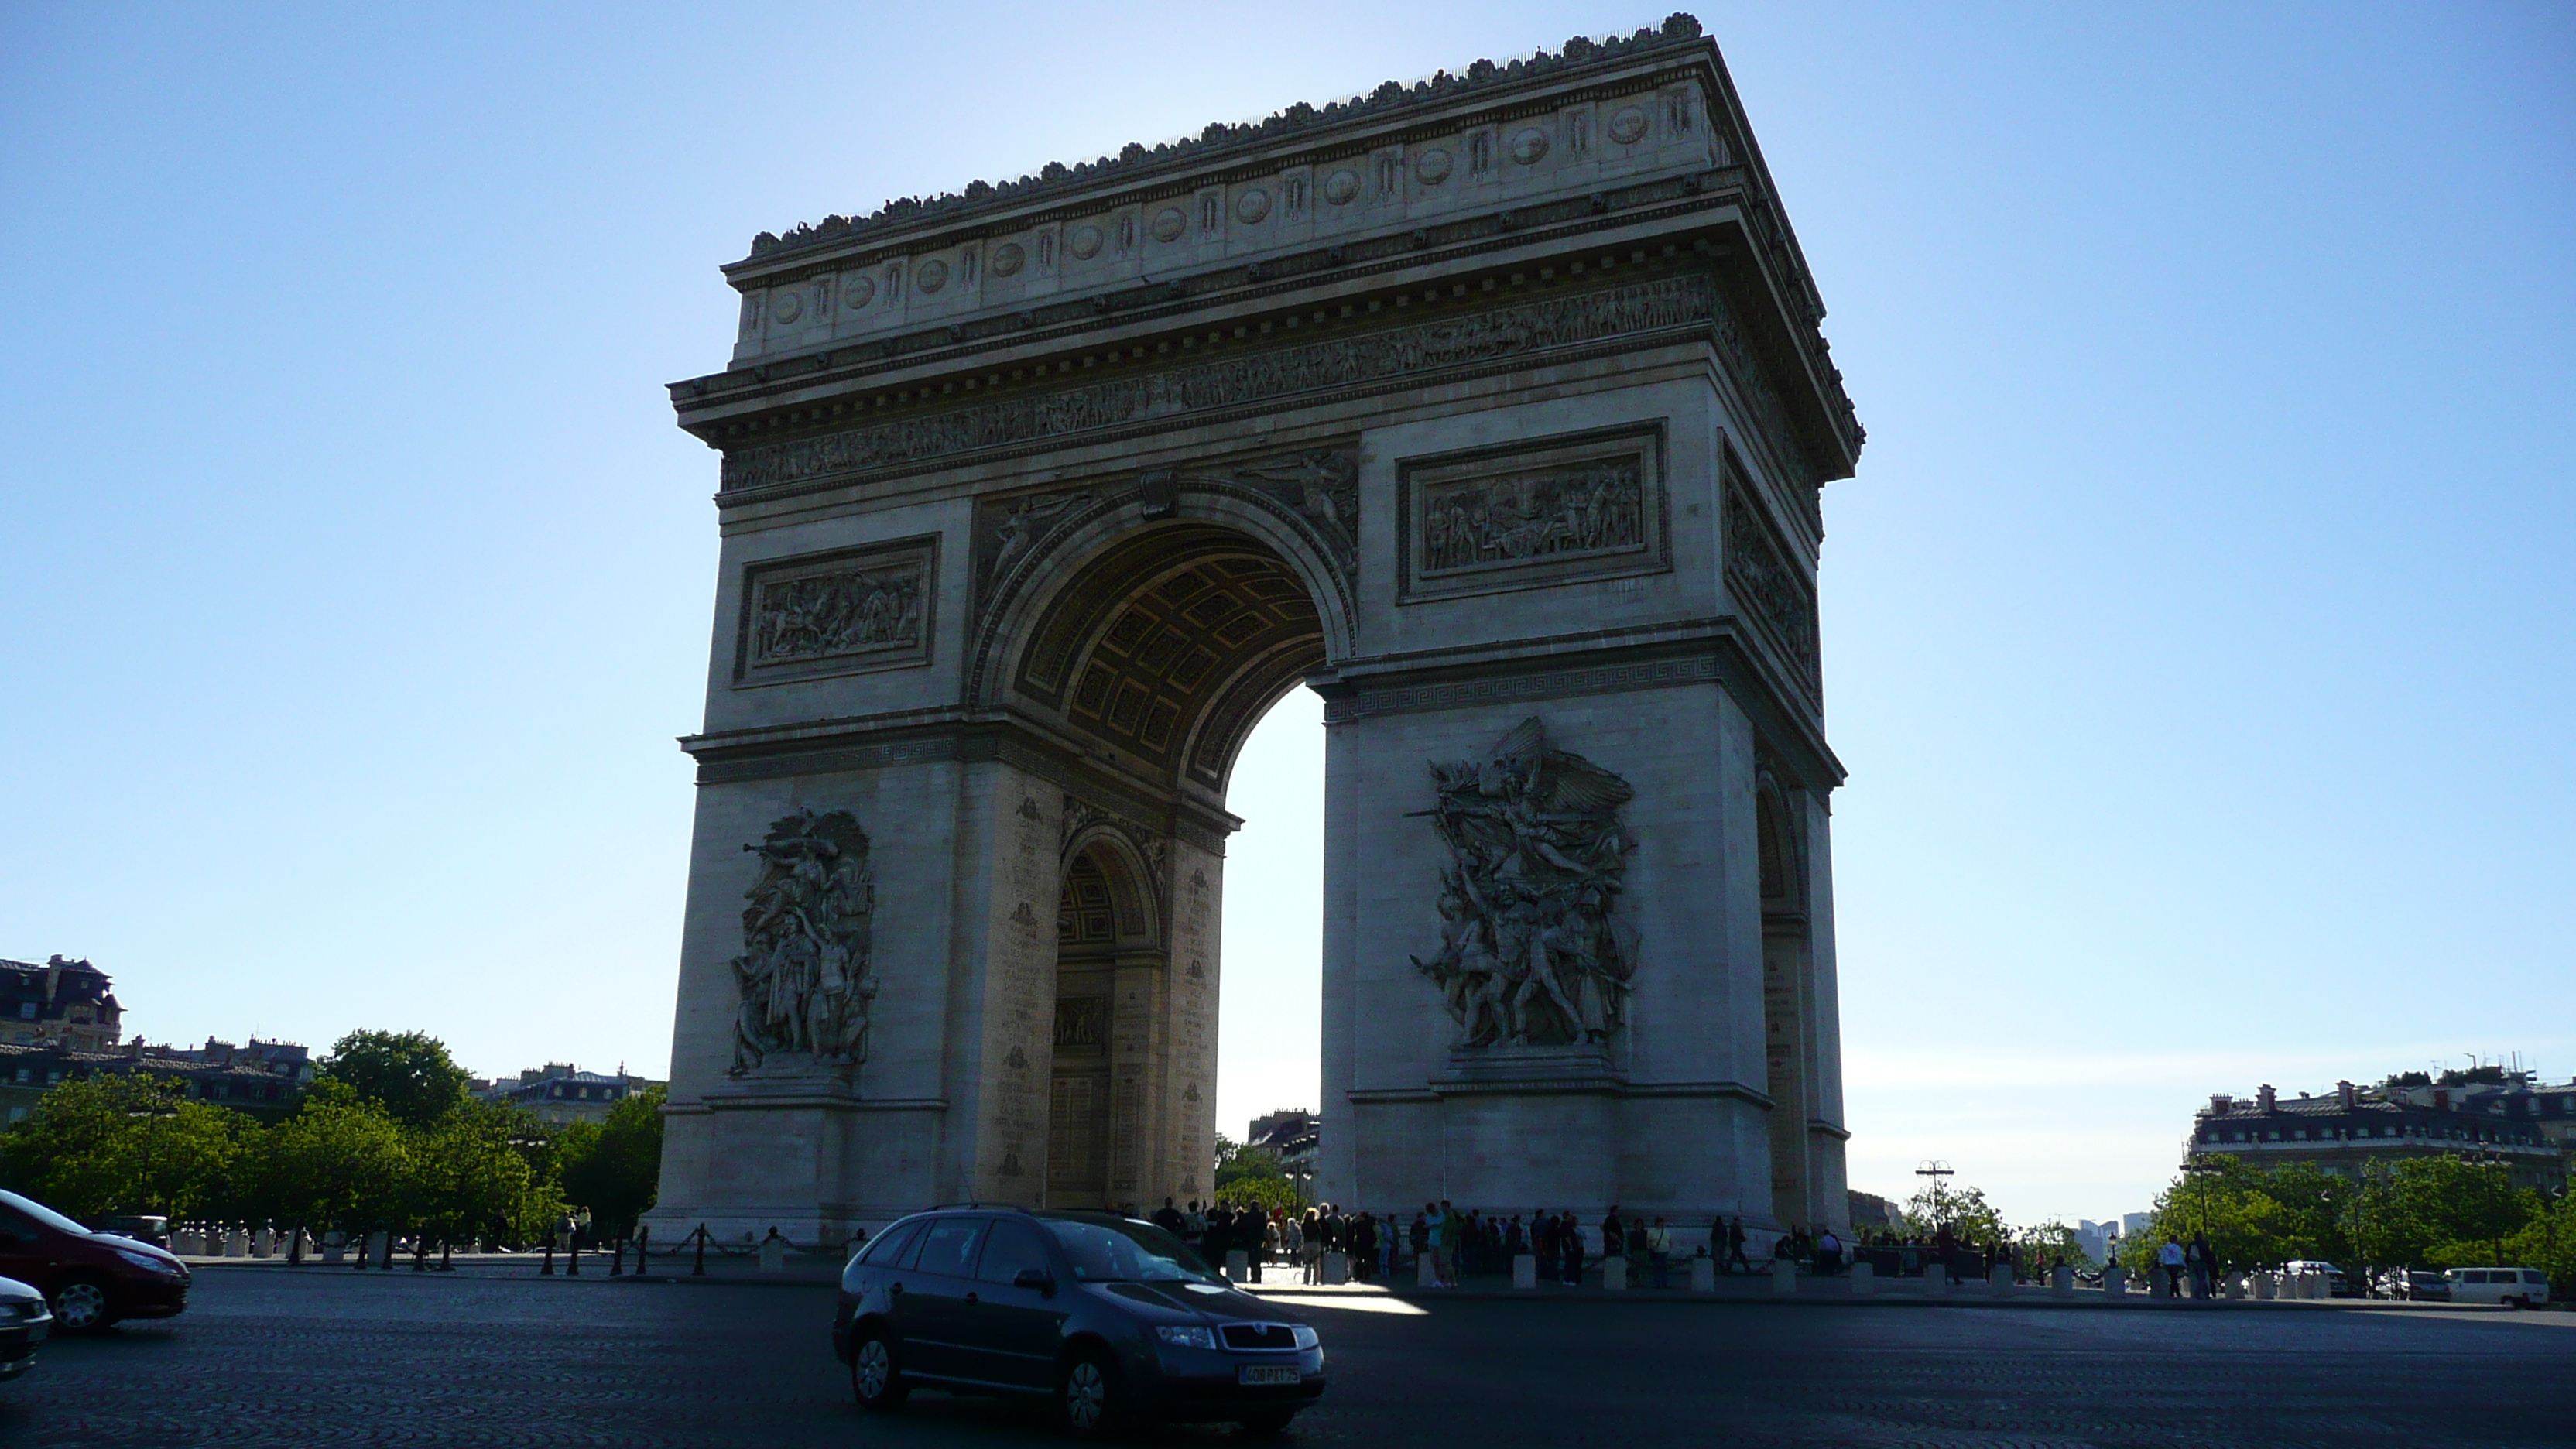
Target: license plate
(1285, 1373)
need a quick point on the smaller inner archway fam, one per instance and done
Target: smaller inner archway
(1108, 977)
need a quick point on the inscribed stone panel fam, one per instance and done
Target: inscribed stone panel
(842, 612)
(1530, 514)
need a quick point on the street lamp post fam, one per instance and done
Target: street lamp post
(1935, 1169)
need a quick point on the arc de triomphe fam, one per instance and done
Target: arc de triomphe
(1494, 409)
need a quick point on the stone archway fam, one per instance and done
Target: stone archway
(1494, 411)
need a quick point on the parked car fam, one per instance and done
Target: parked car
(1113, 1319)
(2337, 1285)
(2521, 1287)
(91, 1279)
(24, 1322)
(151, 1228)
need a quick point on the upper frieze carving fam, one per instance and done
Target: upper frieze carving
(1391, 353)
(1678, 30)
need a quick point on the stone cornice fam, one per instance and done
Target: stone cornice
(912, 220)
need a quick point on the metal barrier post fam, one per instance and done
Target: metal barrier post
(548, 1270)
(700, 1270)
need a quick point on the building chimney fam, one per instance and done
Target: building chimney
(2346, 1097)
(2265, 1097)
(2219, 1103)
(2441, 1099)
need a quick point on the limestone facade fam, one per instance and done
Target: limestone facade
(1496, 411)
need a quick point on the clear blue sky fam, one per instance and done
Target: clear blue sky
(2199, 630)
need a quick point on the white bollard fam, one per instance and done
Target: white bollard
(2061, 1282)
(2115, 1283)
(1524, 1271)
(1936, 1279)
(236, 1243)
(264, 1243)
(1999, 1279)
(773, 1255)
(1238, 1266)
(1784, 1275)
(1423, 1276)
(1337, 1268)
(1614, 1273)
(1703, 1274)
(1864, 1279)
(335, 1246)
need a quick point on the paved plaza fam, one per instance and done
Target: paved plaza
(278, 1356)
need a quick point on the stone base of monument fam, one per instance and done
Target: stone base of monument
(1784, 1276)
(1864, 1279)
(1703, 1273)
(1337, 1268)
(1524, 1271)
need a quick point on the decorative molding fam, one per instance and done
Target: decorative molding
(1532, 952)
(1220, 140)
(1533, 514)
(1409, 356)
(1767, 588)
(1512, 688)
(847, 611)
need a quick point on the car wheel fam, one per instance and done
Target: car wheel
(1267, 1423)
(1088, 1397)
(874, 1379)
(80, 1306)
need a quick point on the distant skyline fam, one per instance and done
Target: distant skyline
(2199, 630)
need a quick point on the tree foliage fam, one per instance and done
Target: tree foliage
(1963, 1210)
(409, 1073)
(105, 1144)
(2427, 1212)
(614, 1168)
(1249, 1178)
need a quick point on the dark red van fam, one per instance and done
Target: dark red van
(92, 1279)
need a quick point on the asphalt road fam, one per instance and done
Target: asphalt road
(285, 1357)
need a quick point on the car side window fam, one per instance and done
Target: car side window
(888, 1250)
(948, 1248)
(1009, 1248)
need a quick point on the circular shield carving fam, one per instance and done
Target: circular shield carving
(1084, 243)
(786, 306)
(1252, 206)
(1341, 186)
(1008, 258)
(1432, 168)
(857, 290)
(1530, 146)
(1168, 224)
(932, 275)
(1628, 127)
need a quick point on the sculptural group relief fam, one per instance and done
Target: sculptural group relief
(1532, 951)
(833, 612)
(1534, 513)
(1775, 594)
(803, 983)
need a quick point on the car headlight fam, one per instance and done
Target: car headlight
(1305, 1336)
(149, 1263)
(1186, 1335)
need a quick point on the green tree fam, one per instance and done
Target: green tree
(2463, 1211)
(468, 1179)
(99, 1145)
(1964, 1210)
(1251, 1178)
(342, 1161)
(408, 1073)
(614, 1168)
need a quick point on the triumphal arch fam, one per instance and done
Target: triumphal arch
(1494, 409)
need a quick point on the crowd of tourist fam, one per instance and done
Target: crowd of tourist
(1377, 1246)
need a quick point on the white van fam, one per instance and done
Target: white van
(2521, 1287)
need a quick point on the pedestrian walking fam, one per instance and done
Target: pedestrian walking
(2169, 1260)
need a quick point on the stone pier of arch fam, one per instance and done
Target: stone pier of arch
(1495, 410)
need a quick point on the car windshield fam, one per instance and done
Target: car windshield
(1128, 1252)
(41, 1213)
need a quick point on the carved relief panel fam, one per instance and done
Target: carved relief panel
(1526, 515)
(842, 612)
(1770, 590)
